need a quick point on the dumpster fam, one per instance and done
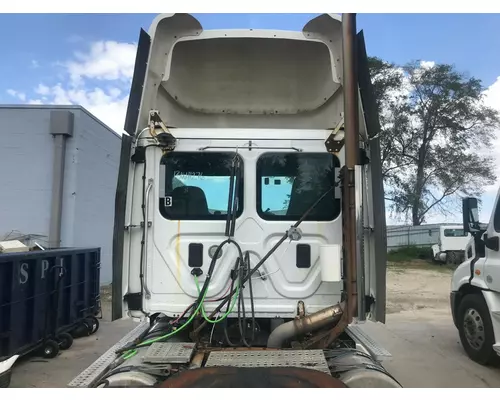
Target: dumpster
(47, 298)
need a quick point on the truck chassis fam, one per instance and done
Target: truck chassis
(354, 361)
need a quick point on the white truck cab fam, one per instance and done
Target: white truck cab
(250, 217)
(451, 245)
(475, 288)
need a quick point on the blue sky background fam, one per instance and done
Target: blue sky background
(55, 50)
(468, 41)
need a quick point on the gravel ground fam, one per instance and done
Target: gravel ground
(416, 287)
(420, 334)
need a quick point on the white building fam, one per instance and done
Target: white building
(58, 169)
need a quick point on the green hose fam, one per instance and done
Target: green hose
(182, 327)
(132, 352)
(216, 321)
(129, 354)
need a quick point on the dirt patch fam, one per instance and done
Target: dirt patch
(417, 286)
(420, 264)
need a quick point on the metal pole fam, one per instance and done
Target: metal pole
(61, 127)
(57, 191)
(351, 148)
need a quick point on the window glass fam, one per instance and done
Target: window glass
(288, 184)
(454, 233)
(197, 185)
(276, 191)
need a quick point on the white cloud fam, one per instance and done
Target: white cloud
(35, 64)
(427, 64)
(97, 79)
(110, 107)
(492, 99)
(43, 90)
(115, 92)
(106, 60)
(14, 93)
(492, 95)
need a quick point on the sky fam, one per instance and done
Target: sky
(88, 59)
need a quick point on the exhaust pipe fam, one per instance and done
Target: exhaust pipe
(351, 146)
(350, 87)
(334, 314)
(302, 325)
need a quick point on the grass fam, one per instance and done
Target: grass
(402, 267)
(413, 257)
(410, 253)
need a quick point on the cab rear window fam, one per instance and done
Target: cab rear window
(195, 186)
(288, 184)
(454, 233)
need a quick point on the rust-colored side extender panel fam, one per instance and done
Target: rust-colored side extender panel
(233, 377)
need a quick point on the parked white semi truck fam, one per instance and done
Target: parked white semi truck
(452, 241)
(250, 220)
(475, 289)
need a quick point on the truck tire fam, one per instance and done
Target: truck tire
(476, 330)
(450, 258)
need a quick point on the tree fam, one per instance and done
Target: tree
(435, 129)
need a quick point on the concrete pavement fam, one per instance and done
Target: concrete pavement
(426, 352)
(419, 333)
(38, 372)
